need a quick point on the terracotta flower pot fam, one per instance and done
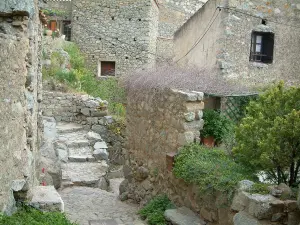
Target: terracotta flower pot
(209, 141)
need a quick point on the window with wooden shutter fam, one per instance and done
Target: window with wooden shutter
(262, 47)
(108, 68)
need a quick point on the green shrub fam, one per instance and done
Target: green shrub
(154, 210)
(27, 215)
(268, 138)
(215, 125)
(76, 57)
(211, 169)
(66, 77)
(260, 188)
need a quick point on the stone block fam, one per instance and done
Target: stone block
(260, 206)
(194, 125)
(190, 116)
(100, 154)
(200, 95)
(100, 145)
(188, 96)
(92, 136)
(186, 138)
(86, 111)
(183, 216)
(18, 185)
(240, 201)
(46, 198)
(242, 218)
(245, 185)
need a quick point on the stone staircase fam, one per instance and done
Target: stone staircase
(85, 164)
(81, 157)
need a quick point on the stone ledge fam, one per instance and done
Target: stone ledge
(46, 198)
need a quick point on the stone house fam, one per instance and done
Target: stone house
(250, 41)
(120, 36)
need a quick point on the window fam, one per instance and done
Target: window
(108, 68)
(67, 29)
(262, 47)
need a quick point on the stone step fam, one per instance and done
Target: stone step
(183, 216)
(68, 127)
(83, 154)
(80, 158)
(78, 143)
(85, 173)
(47, 199)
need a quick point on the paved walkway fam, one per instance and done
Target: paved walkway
(81, 173)
(84, 204)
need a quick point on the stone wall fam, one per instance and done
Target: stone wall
(227, 44)
(91, 113)
(157, 126)
(20, 81)
(162, 123)
(119, 31)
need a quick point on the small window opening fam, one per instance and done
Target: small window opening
(129, 19)
(108, 68)
(93, 56)
(100, 38)
(134, 39)
(113, 18)
(264, 22)
(140, 19)
(77, 17)
(126, 57)
(117, 38)
(262, 47)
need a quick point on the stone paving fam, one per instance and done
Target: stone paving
(92, 206)
(82, 173)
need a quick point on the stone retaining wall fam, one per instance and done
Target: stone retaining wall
(91, 113)
(20, 82)
(159, 123)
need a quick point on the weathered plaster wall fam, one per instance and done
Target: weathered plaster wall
(172, 15)
(120, 31)
(20, 81)
(204, 54)
(237, 40)
(226, 45)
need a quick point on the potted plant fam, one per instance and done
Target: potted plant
(215, 127)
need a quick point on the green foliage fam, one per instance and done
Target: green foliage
(211, 169)
(80, 78)
(215, 125)
(76, 57)
(268, 139)
(260, 188)
(154, 210)
(53, 12)
(27, 215)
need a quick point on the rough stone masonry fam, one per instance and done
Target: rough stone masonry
(20, 82)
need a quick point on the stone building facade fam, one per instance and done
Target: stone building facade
(20, 81)
(172, 15)
(252, 41)
(120, 36)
